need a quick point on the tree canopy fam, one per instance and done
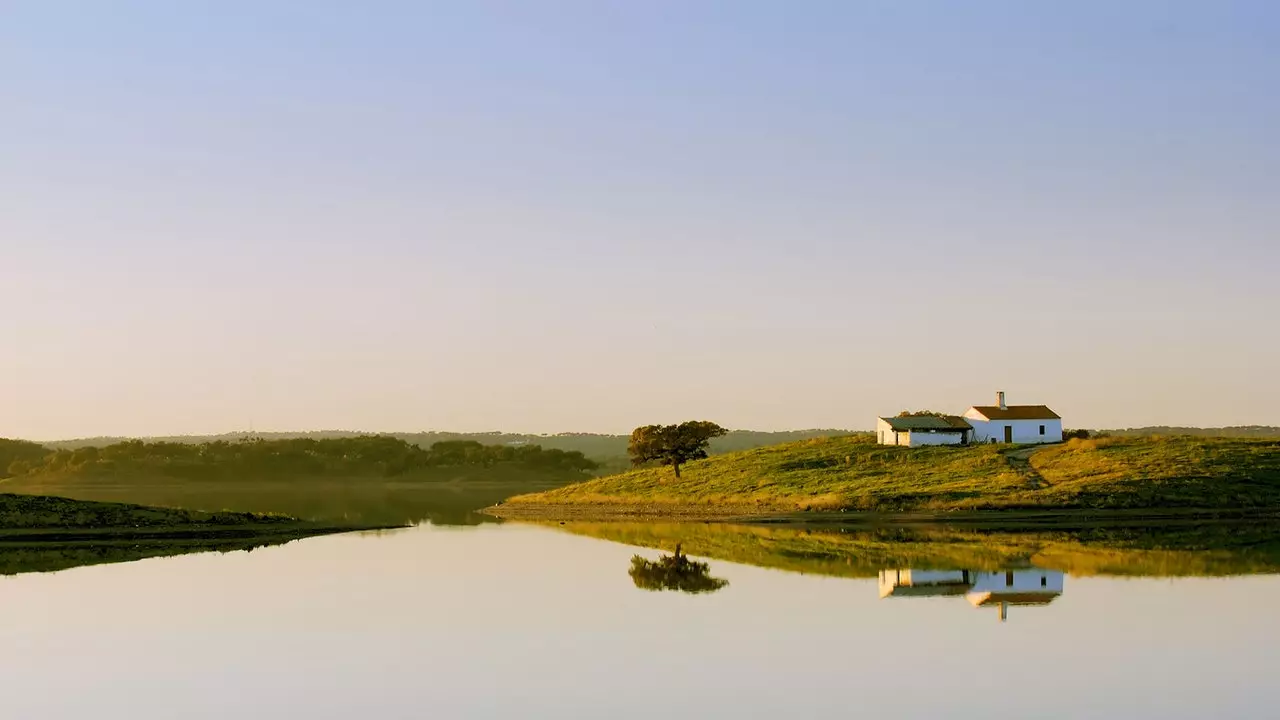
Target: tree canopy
(672, 445)
(254, 457)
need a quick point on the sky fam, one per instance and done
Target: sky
(588, 216)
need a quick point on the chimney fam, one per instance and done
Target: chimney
(1000, 400)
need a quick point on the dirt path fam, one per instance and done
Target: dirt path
(1020, 460)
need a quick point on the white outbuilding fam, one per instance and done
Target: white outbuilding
(920, 430)
(1022, 424)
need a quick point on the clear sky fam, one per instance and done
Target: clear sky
(554, 216)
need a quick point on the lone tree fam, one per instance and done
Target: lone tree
(672, 445)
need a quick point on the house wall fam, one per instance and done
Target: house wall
(890, 579)
(885, 436)
(925, 577)
(1024, 581)
(1024, 431)
(921, 439)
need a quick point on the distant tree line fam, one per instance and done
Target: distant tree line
(1235, 431)
(20, 451)
(255, 457)
(598, 447)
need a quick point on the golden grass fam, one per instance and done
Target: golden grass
(854, 473)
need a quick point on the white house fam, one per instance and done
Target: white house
(919, 430)
(1021, 424)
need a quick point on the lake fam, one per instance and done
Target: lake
(528, 621)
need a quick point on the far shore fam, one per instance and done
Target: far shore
(1065, 518)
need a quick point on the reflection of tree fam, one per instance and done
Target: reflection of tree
(674, 572)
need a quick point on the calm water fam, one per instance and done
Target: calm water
(519, 621)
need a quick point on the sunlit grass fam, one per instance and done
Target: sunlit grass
(854, 473)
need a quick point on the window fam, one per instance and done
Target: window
(1041, 429)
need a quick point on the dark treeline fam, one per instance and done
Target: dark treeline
(12, 451)
(595, 446)
(376, 455)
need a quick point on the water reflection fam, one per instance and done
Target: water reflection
(1203, 550)
(19, 558)
(674, 572)
(1000, 589)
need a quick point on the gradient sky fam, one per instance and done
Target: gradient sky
(590, 215)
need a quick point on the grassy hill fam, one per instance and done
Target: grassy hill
(36, 517)
(45, 534)
(854, 474)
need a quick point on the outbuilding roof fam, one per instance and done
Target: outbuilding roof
(1017, 412)
(944, 423)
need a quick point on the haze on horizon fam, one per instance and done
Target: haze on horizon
(580, 216)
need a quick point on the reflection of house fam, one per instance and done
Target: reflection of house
(1026, 586)
(1015, 587)
(918, 430)
(924, 583)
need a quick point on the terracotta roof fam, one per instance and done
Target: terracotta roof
(946, 423)
(1017, 412)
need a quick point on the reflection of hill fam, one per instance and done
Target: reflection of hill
(50, 557)
(1206, 550)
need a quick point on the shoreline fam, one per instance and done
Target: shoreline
(992, 519)
(192, 532)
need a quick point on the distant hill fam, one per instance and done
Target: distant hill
(1235, 431)
(609, 449)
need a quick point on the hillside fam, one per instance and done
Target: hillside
(855, 474)
(32, 517)
(44, 534)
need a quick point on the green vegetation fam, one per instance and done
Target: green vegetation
(608, 450)
(856, 474)
(32, 517)
(672, 445)
(369, 455)
(1181, 550)
(369, 479)
(20, 454)
(51, 556)
(444, 496)
(43, 534)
